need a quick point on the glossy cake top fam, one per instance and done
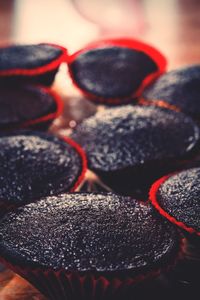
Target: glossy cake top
(36, 164)
(179, 197)
(179, 87)
(88, 232)
(28, 56)
(24, 103)
(130, 136)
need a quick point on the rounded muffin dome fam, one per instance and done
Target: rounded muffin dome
(132, 136)
(177, 198)
(179, 88)
(28, 57)
(35, 164)
(34, 63)
(88, 232)
(115, 71)
(28, 105)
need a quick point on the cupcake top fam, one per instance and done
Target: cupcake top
(37, 164)
(177, 198)
(101, 71)
(130, 136)
(88, 232)
(24, 103)
(111, 69)
(27, 57)
(180, 88)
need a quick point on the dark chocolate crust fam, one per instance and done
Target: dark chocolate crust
(35, 164)
(46, 78)
(111, 71)
(180, 88)
(24, 103)
(132, 136)
(27, 56)
(179, 196)
(88, 232)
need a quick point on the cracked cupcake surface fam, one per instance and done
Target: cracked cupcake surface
(132, 136)
(36, 164)
(88, 232)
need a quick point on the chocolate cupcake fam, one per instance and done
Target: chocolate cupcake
(176, 197)
(28, 106)
(30, 63)
(129, 147)
(87, 246)
(37, 164)
(115, 71)
(179, 89)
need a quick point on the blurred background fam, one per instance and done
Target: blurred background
(173, 25)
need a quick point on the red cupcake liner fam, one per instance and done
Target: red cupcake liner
(45, 121)
(83, 157)
(158, 103)
(49, 118)
(53, 65)
(164, 104)
(153, 198)
(66, 285)
(4, 207)
(152, 52)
